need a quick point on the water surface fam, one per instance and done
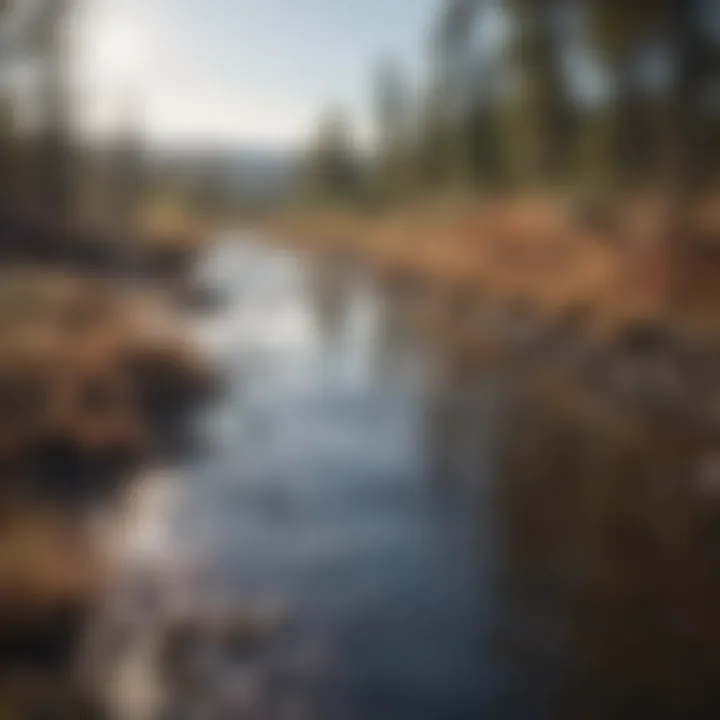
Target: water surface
(315, 493)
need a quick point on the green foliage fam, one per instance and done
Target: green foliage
(331, 169)
(394, 158)
(36, 170)
(619, 27)
(509, 104)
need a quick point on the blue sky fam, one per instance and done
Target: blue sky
(243, 71)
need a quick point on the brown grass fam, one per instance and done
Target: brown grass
(76, 360)
(45, 563)
(533, 250)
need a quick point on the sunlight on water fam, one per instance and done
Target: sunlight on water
(145, 537)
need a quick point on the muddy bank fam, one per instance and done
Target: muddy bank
(552, 257)
(97, 379)
(153, 252)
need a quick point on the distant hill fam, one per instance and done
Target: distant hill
(248, 173)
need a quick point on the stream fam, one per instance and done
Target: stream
(313, 512)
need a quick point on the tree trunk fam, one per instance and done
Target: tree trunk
(687, 58)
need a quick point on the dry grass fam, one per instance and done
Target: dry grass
(45, 564)
(78, 362)
(51, 577)
(83, 366)
(531, 250)
(167, 225)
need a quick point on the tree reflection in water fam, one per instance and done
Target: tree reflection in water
(605, 522)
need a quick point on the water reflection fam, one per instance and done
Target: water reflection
(606, 559)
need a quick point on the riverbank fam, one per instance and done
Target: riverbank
(98, 376)
(546, 275)
(547, 253)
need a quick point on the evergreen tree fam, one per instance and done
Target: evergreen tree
(331, 168)
(392, 168)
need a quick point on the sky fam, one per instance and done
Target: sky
(244, 72)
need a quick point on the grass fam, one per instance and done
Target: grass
(79, 361)
(51, 577)
(530, 250)
(45, 564)
(84, 366)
